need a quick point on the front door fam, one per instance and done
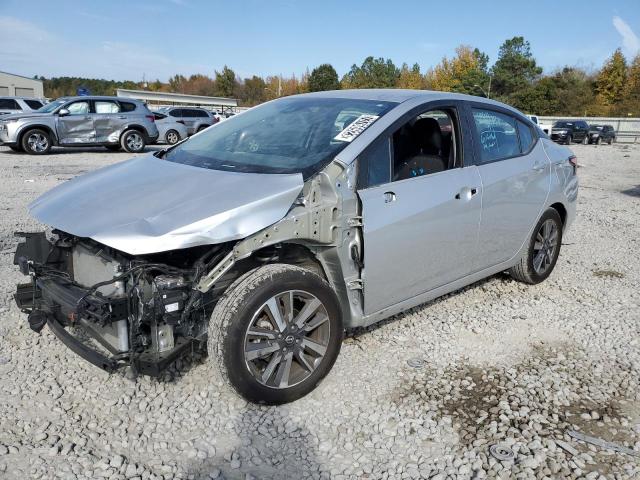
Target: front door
(77, 126)
(515, 173)
(421, 224)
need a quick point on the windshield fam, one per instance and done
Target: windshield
(562, 124)
(291, 135)
(50, 107)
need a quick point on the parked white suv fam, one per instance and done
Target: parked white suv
(10, 105)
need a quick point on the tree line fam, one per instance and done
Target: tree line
(514, 78)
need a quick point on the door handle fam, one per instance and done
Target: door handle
(389, 197)
(122, 117)
(466, 193)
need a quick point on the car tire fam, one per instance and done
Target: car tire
(569, 140)
(201, 128)
(611, 140)
(293, 359)
(113, 148)
(132, 141)
(597, 141)
(172, 137)
(541, 255)
(585, 140)
(36, 142)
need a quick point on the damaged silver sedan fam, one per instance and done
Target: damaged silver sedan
(264, 237)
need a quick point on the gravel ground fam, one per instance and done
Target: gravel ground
(423, 395)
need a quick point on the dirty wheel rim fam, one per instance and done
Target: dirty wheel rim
(172, 137)
(37, 142)
(544, 247)
(287, 339)
(134, 141)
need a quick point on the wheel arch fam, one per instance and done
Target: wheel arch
(49, 130)
(136, 127)
(562, 211)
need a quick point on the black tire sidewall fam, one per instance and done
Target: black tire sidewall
(25, 145)
(124, 145)
(535, 277)
(233, 337)
(569, 140)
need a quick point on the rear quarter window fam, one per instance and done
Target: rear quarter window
(127, 106)
(526, 137)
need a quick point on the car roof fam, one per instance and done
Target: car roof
(100, 97)
(400, 95)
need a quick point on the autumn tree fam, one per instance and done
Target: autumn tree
(323, 77)
(410, 77)
(610, 84)
(466, 72)
(373, 73)
(631, 102)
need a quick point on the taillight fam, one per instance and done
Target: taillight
(151, 118)
(573, 160)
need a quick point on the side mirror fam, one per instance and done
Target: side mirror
(63, 112)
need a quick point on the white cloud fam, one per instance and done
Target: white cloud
(630, 40)
(28, 50)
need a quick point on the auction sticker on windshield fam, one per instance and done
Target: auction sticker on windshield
(356, 127)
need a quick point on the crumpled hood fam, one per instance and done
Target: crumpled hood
(148, 205)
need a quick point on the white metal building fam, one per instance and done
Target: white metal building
(158, 99)
(18, 86)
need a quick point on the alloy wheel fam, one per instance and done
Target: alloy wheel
(38, 142)
(135, 142)
(172, 137)
(545, 246)
(287, 339)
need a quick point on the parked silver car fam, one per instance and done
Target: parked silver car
(195, 119)
(81, 121)
(9, 105)
(170, 130)
(270, 234)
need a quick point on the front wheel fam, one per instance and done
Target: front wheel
(542, 254)
(133, 141)
(569, 140)
(36, 142)
(275, 333)
(585, 140)
(597, 141)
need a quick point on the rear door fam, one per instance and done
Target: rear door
(77, 127)
(419, 232)
(190, 117)
(515, 174)
(107, 120)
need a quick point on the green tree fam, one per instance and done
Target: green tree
(323, 77)
(253, 92)
(515, 70)
(226, 82)
(373, 73)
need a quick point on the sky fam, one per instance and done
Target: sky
(126, 40)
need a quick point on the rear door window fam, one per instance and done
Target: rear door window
(106, 107)
(176, 112)
(34, 104)
(496, 134)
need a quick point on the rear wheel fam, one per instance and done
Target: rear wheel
(202, 127)
(172, 137)
(275, 333)
(132, 141)
(36, 142)
(542, 254)
(611, 140)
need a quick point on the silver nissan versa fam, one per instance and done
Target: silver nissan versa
(266, 236)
